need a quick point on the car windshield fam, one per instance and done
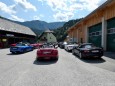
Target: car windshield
(47, 46)
(21, 45)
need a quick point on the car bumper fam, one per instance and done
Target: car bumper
(47, 57)
(92, 55)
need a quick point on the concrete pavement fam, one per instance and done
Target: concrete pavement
(69, 70)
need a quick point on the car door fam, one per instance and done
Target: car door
(78, 49)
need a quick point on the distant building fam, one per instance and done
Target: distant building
(47, 36)
(11, 32)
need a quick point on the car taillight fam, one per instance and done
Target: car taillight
(39, 51)
(55, 52)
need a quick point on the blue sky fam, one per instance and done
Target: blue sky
(47, 10)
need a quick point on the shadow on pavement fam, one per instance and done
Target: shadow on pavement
(15, 54)
(92, 60)
(44, 62)
(18, 53)
(110, 55)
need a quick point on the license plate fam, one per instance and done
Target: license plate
(14, 48)
(96, 56)
(46, 58)
(95, 51)
(46, 52)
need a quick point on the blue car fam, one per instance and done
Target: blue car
(21, 48)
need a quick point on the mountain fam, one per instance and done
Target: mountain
(39, 26)
(61, 32)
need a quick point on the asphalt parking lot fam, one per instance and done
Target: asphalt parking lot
(69, 70)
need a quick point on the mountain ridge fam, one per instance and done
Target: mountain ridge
(38, 26)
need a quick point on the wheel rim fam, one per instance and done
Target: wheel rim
(73, 52)
(80, 55)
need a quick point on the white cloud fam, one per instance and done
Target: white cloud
(63, 16)
(65, 9)
(7, 9)
(36, 18)
(13, 17)
(26, 5)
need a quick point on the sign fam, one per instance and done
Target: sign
(10, 35)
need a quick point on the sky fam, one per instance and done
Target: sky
(47, 10)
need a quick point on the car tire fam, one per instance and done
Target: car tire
(13, 52)
(37, 59)
(57, 58)
(73, 52)
(32, 49)
(99, 57)
(80, 55)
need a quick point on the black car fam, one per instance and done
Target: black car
(62, 45)
(88, 50)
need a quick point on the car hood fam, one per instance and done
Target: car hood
(91, 48)
(19, 46)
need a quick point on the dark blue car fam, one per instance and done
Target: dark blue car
(21, 48)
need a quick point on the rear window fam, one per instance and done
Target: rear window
(89, 46)
(47, 46)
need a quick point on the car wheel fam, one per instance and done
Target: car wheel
(13, 52)
(80, 55)
(99, 57)
(37, 59)
(24, 51)
(57, 58)
(73, 52)
(67, 49)
(32, 49)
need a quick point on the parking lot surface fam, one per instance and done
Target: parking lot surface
(69, 70)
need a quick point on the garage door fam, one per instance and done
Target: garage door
(95, 34)
(111, 35)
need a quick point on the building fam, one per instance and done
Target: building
(47, 36)
(98, 27)
(11, 32)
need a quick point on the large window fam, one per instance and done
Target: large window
(111, 31)
(97, 33)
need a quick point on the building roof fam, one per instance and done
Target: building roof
(48, 31)
(7, 25)
(100, 7)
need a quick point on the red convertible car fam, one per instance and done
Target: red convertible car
(47, 52)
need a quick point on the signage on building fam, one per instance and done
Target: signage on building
(9, 35)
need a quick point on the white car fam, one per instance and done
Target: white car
(69, 47)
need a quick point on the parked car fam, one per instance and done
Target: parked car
(21, 48)
(88, 50)
(14, 44)
(36, 45)
(63, 45)
(70, 46)
(59, 44)
(47, 52)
